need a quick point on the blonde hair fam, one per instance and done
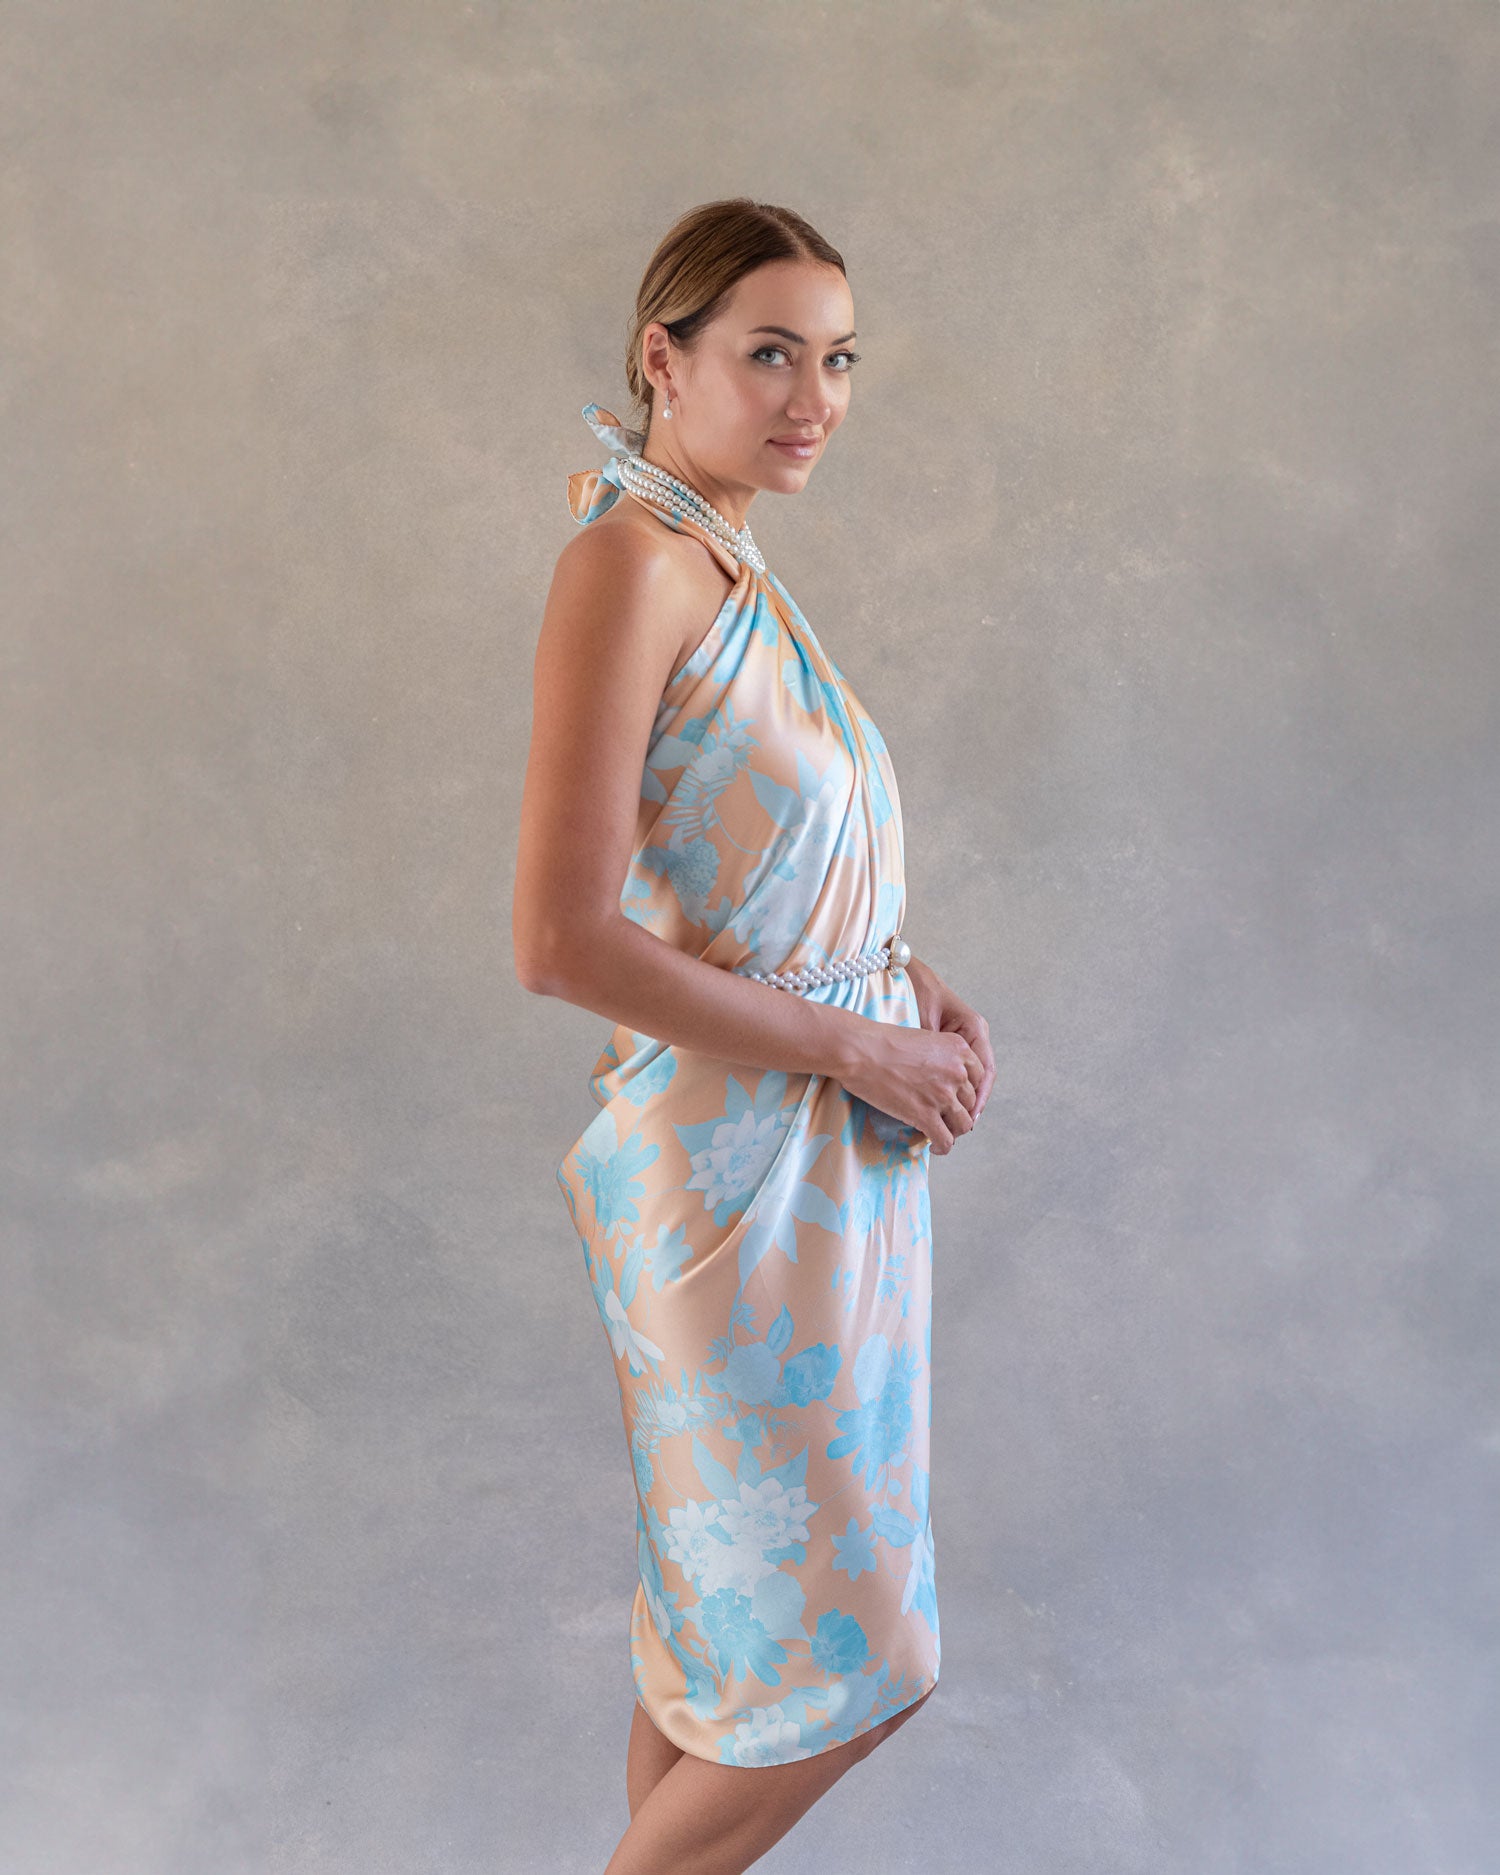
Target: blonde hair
(698, 263)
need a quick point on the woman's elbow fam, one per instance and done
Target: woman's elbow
(531, 976)
(554, 955)
(545, 964)
(536, 964)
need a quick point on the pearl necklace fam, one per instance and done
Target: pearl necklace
(651, 483)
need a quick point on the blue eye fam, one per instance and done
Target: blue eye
(853, 357)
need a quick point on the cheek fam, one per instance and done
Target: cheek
(759, 388)
(761, 412)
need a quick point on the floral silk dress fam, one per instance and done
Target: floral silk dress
(759, 1243)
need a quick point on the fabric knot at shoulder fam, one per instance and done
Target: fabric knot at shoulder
(592, 491)
(622, 440)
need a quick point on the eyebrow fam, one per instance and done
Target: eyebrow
(796, 337)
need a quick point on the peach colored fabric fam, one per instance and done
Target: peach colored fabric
(759, 1243)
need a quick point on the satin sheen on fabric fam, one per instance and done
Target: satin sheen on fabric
(759, 1243)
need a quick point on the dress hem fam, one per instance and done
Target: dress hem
(923, 1690)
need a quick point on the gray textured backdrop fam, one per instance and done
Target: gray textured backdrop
(1160, 540)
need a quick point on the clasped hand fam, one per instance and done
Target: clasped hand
(934, 1078)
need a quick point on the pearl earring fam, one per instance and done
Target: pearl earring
(666, 409)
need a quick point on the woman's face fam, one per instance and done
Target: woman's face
(774, 364)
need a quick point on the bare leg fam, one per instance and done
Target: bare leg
(701, 1818)
(648, 1758)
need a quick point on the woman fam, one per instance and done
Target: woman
(711, 855)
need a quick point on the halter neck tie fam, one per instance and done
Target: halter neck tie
(591, 492)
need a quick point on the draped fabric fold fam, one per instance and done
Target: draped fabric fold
(758, 1242)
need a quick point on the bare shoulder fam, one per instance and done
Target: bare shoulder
(631, 576)
(615, 563)
(612, 548)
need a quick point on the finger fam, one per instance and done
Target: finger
(979, 1040)
(940, 1138)
(969, 1024)
(967, 1059)
(976, 1032)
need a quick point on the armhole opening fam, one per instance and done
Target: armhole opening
(702, 653)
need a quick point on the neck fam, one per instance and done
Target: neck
(729, 503)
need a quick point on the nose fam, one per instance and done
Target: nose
(810, 407)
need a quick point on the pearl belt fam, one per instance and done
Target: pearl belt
(895, 955)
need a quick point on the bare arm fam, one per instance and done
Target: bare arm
(610, 635)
